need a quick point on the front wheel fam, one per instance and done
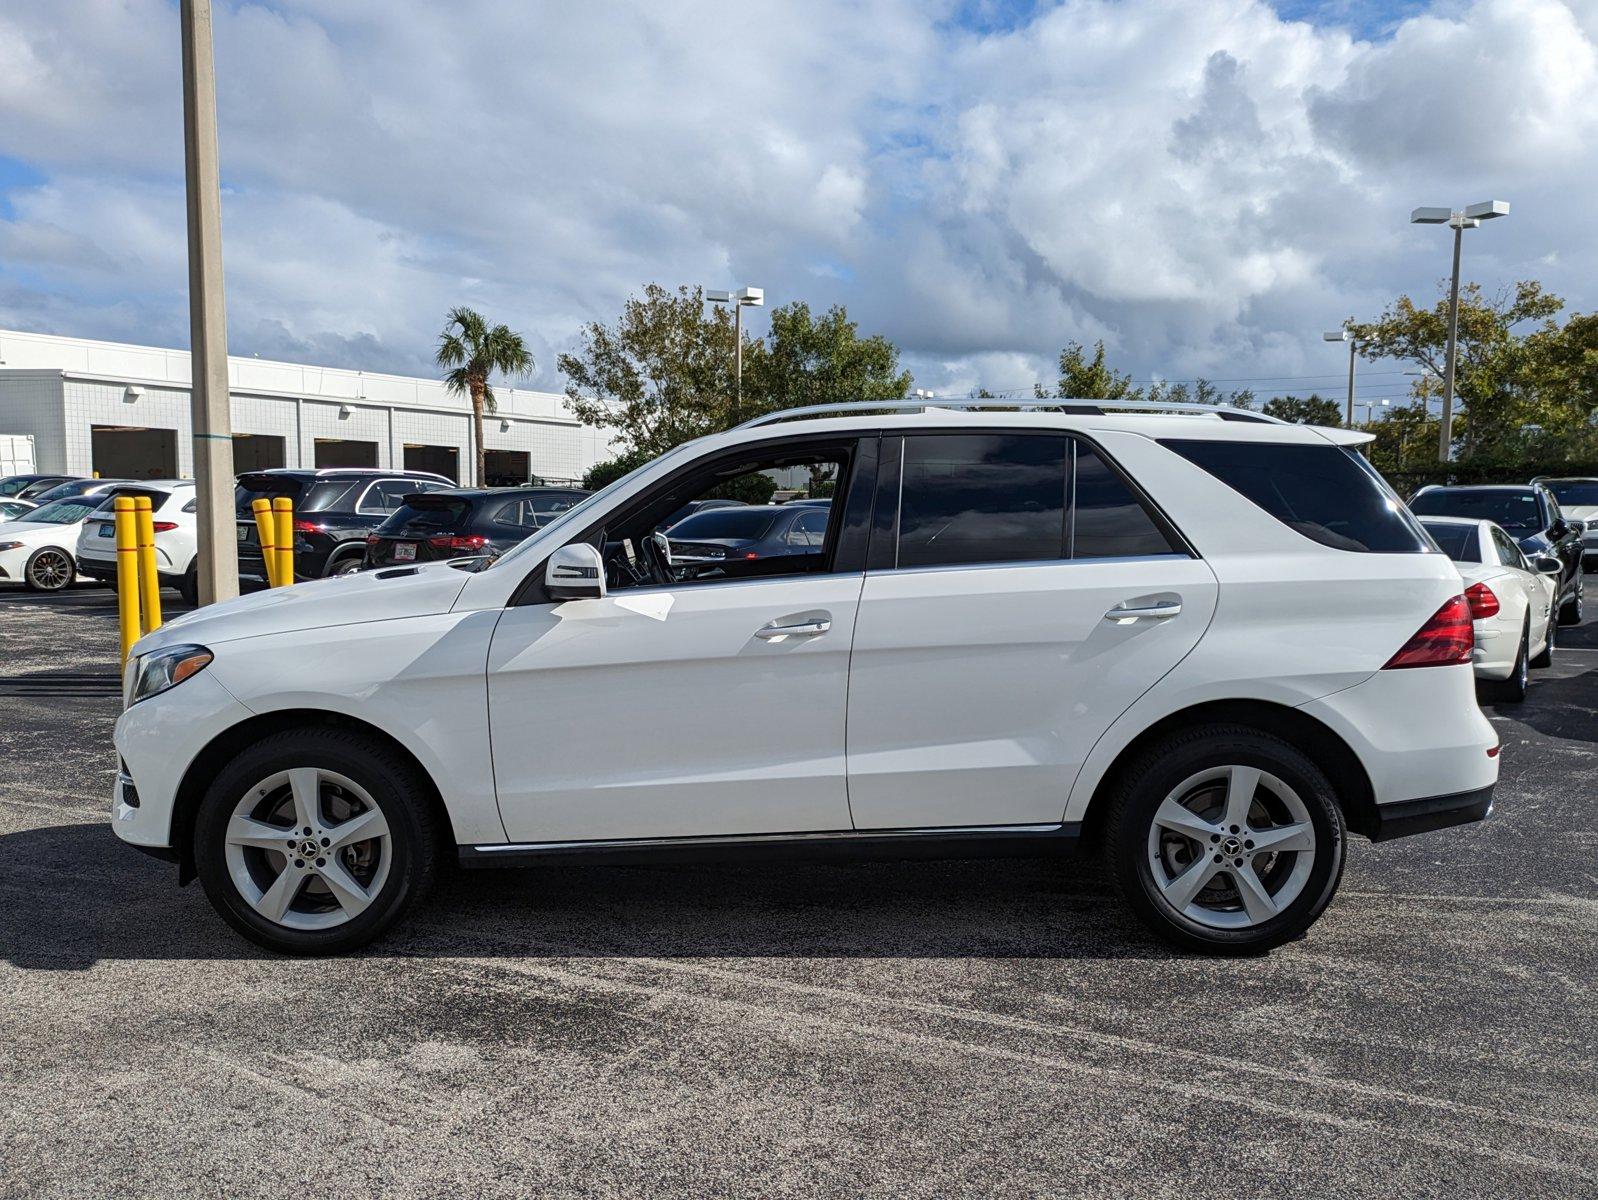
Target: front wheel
(315, 841)
(1225, 839)
(49, 569)
(1545, 656)
(1570, 612)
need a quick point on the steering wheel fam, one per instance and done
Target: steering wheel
(654, 556)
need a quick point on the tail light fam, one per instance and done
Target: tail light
(372, 539)
(748, 554)
(458, 542)
(1444, 641)
(164, 526)
(306, 527)
(1481, 600)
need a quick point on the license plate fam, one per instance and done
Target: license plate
(244, 533)
(404, 551)
(108, 530)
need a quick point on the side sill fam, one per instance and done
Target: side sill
(1431, 812)
(1026, 841)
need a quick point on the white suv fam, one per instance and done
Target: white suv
(176, 534)
(1204, 645)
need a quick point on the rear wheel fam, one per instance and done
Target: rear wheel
(189, 585)
(49, 569)
(1545, 656)
(315, 841)
(347, 565)
(1226, 840)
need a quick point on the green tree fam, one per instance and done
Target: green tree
(603, 474)
(1305, 410)
(1503, 372)
(821, 360)
(661, 375)
(473, 350)
(1084, 378)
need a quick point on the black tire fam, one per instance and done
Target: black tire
(49, 569)
(1545, 656)
(1163, 767)
(1513, 689)
(189, 585)
(1570, 612)
(347, 565)
(403, 799)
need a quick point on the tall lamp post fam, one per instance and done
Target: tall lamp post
(1342, 335)
(1458, 220)
(744, 297)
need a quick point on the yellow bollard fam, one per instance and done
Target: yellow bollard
(266, 530)
(127, 572)
(149, 584)
(283, 516)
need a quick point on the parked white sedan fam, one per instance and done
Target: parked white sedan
(1511, 602)
(36, 548)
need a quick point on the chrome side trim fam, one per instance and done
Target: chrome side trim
(767, 838)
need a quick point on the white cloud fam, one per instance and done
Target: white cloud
(1206, 187)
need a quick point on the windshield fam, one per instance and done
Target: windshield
(740, 523)
(1512, 509)
(1578, 492)
(578, 511)
(63, 512)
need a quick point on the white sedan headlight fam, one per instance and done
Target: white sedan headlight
(155, 672)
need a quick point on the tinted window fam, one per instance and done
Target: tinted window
(1460, 542)
(1508, 553)
(62, 512)
(982, 498)
(436, 516)
(1108, 521)
(1329, 494)
(1513, 509)
(742, 523)
(1579, 493)
(810, 529)
(389, 494)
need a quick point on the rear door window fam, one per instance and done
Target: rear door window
(1330, 494)
(1108, 520)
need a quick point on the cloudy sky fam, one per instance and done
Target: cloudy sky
(1204, 185)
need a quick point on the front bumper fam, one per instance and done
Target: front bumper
(1432, 812)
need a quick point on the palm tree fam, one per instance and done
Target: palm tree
(473, 351)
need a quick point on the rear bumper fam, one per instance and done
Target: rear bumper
(1431, 812)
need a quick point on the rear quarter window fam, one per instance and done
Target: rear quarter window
(1329, 494)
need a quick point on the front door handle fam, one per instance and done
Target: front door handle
(1164, 610)
(814, 627)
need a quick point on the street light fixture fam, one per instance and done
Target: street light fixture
(1343, 335)
(1458, 220)
(744, 297)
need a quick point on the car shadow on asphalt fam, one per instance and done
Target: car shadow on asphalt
(77, 898)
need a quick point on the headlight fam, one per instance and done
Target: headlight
(155, 672)
(10, 545)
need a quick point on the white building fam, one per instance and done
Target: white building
(124, 411)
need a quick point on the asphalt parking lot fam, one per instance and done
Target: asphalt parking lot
(904, 1030)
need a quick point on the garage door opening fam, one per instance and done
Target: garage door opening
(345, 452)
(441, 460)
(257, 452)
(507, 468)
(133, 452)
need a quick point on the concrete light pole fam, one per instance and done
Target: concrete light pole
(744, 297)
(1342, 335)
(1458, 221)
(209, 409)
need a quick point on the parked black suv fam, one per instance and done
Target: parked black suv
(334, 509)
(1529, 513)
(465, 523)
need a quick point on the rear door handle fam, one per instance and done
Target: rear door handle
(1161, 611)
(811, 628)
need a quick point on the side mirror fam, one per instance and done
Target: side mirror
(575, 572)
(1548, 564)
(1559, 528)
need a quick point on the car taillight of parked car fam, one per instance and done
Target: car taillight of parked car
(1482, 601)
(458, 542)
(307, 527)
(164, 526)
(1445, 640)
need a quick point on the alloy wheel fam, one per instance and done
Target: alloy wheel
(308, 848)
(50, 570)
(1231, 847)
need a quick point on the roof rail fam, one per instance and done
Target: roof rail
(1092, 408)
